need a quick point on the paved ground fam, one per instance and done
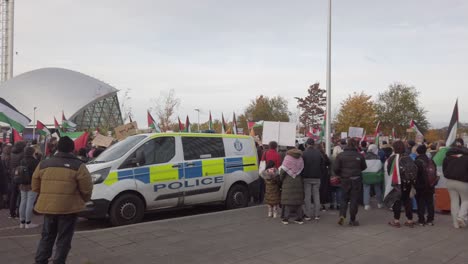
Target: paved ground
(247, 236)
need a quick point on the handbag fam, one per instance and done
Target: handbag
(335, 180)
(262, 166)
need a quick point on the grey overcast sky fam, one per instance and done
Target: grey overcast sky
(220, 54)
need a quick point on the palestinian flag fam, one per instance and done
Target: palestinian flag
(377, 134)
(181, 126)
(80, 138)
(393, 134)
(223, 125)
(16, 135)
(12, 117)
(67, 125)
(210, 123)
(234, 124)
(323, 127)
(56, 124)
(152, 124)
(188, 128)
(453, 126)
(415, 128)
(363, 137)
(42, 129)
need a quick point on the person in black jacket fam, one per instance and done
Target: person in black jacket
(17, 153)
(424, 190)
(455, 168)
(349, 166)
(28, 197)
(312, 173)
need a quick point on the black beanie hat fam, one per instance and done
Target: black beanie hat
(66, 145)
(421, 149)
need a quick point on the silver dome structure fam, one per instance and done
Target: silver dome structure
(86, 101)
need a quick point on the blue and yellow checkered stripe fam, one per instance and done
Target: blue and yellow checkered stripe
(194, 169)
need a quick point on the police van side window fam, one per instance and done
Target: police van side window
(202, 148)
(155, 151)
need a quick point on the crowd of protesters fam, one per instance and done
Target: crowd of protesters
(303, 181)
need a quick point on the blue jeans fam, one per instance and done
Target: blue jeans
(378, 193)
(312, 191)
(335, 193)
(26, 206)
(60, 227)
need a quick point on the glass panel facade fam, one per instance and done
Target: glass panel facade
(103, 114)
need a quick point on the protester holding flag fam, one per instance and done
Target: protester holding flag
(400, 178)
(455, 167)
(372, 177)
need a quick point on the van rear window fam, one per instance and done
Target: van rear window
(202, 148)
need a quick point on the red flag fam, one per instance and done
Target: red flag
(56, 124)
(181, 126)
(16, 136)
(81, 141)
(250, 124)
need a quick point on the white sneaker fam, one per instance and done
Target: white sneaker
(367, 207)
(379, 205)
(270, 214)
(31, 225)
(275, 214)
(22, 225)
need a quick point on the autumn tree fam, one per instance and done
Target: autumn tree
(357, 110)
(397, 106)
(312, 106)
(165, 107)
(268, 109)
(434, 135)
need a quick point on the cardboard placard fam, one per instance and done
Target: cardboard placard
(102, 141)
(282, 132)
(355, 132)
(123, 131)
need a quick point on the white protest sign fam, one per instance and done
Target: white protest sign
(355, 132)
(344, 135)
(282, 132)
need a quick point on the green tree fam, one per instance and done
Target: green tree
(357, 110)
(312, 106)
(397, 106)
(268, 109)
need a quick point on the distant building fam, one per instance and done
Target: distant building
(86, 101)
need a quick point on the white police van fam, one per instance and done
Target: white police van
(165, 170)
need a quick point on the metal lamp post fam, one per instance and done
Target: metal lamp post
(198, 118)
(328, 117)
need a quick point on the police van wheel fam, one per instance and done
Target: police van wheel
(126, 209)
(238, 197)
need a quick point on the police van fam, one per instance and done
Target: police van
(149, 172)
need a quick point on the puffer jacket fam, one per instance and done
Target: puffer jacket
(350, 163)
(63, 184)
(292, 192)
(17, 154)
(314, 164)
(31, 163)
(455, 165)
(374, 172)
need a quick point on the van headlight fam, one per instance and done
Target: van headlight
(100, 175)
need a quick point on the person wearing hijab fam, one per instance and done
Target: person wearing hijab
(292, 194)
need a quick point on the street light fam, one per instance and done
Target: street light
(198, 113)
(34, 123)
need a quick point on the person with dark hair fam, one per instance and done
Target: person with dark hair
(64, 186)
(17, 153)
(455, 167)
(363, 147)
(400, 176)
(409, 149)
(349, 166)
(5, 177)
(82, 155)
(425, 186)
(314, 166)
(372, 177)
(28, 197)
(272, 154)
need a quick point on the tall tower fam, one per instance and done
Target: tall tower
(6, 39)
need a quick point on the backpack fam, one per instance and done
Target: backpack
(21, 174)
(408, 170)
(431, 172)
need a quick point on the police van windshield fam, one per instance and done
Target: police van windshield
(119, 149)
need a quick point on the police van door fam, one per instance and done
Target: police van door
(203, 169)
(158, 171)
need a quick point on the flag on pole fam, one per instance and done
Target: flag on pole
(210, 123)
(453, 126)
(223, 124)
(79, 138)
(322, 128)
(395, 172)
(42, 129)
(152, 124)
(377, 134)
(67, 125)
(16, 135)
(181, 126)
(187, 125)
(56, 124)
(12, 117)
(415, 128)
(234, 124)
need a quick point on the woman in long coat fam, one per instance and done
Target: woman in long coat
(292, 193)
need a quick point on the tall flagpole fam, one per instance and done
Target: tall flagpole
(328, 112)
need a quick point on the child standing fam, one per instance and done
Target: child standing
(272, 188)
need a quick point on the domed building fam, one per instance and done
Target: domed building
(86, 101)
